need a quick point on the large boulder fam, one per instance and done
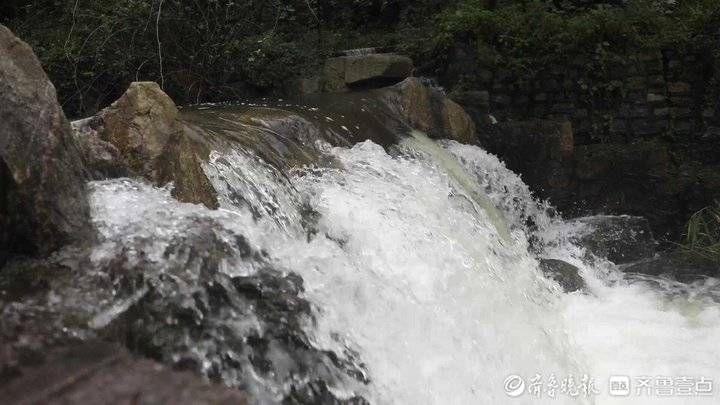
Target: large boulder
(429, 110)
(140, 124)
(142, 134)
(43, 204)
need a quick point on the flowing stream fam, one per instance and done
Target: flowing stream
(421, 274)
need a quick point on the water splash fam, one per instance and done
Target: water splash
(413, 296)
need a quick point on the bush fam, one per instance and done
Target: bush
(210, 50)
(524, 37)
(702, 235)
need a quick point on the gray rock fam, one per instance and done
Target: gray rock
(620, 239)
(567, 275)
(367, 71)
(246, 329)
(674, 266)
(365, 68)
(98, 372)
(43, 203)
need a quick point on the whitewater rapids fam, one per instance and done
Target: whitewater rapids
(436, 294)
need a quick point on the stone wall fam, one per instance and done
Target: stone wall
(645, 132)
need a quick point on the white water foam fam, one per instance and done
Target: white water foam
(408, 273)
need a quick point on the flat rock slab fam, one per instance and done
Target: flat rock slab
(104, 373)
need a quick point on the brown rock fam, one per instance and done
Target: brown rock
(181, 163)
(143, 134)
(430, 111)
(42, 180)
(140, 124)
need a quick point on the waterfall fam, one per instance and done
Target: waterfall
(405, 273)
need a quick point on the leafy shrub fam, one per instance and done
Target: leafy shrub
(524, 37)
(702, 235)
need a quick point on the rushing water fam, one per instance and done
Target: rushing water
(416, 262)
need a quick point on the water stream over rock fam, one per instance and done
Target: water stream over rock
(393, 270)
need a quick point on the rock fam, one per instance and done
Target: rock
(428, 110)
(169, 296)
(377, 67)
(620, 239)
(333, 79)
(43, 203)
(140, 124)
(142, 134)
(98, 372)
(181, 163)
(567, 275)
(674, 266)
(365, 71)
(102, 159)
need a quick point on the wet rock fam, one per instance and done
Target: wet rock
(567, 275)
(198, 297)
(102, 159)
(142, 134)
(620, 239)
(140, 124)
(98, 372)
(43, 204)
(232, 328)
(181, 163)
(673, 265)
(429, 110)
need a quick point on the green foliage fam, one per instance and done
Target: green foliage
(523, 37)
(210, 49)
(702, 235)
(225, 49)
